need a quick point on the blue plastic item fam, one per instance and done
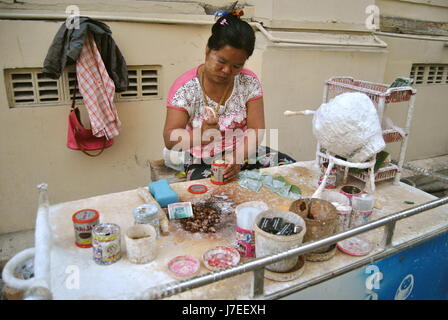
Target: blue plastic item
(162, 192)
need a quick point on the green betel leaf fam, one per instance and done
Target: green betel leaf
(295, 189)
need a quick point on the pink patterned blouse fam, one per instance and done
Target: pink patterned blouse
(186, 94)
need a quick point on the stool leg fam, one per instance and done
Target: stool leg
(372, 179)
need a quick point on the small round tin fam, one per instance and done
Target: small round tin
(147, 214)
(350, 192)
(218, 167)
(84, 221)
(106, 241)
(332, 176)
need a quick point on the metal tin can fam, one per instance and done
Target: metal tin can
(84, 221)
(332, 176)
(350, 192)
(106, 243)
(344, 216)
(147, 214)
(245, 242)
(218, 167)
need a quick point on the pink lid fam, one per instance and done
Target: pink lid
(221, 257)
(184, 266)
(355, 246)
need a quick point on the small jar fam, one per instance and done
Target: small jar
(147, 214)
(331, 182)
(84, 221)
(106, 241)
(218, 167)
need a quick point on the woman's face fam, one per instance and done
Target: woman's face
(222, 65)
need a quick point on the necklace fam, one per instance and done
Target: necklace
(222, 98)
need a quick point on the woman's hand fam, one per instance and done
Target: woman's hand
(232, 171)
(234, 167)
(210, 116)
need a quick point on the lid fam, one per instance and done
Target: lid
(85, 216)
(146, 210)
(355, 246)
(184, 266)
(197, 188)
(106, 229)
(221, 257)
(219, 163)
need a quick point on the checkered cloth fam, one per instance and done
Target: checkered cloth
(97, 90)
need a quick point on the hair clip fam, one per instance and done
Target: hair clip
(219, 13)
(224, 22)
(237, 13)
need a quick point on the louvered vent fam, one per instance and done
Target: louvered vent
(28, 87)
(430, 74)
(144, 83)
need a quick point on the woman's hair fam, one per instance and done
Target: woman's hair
(232, 31)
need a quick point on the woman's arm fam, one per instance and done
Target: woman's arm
(256, 124)
(255, 119)
(175, 119)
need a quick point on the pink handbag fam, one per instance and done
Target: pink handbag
(80, 138)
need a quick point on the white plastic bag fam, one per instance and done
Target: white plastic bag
(348, 126)
(174, 159)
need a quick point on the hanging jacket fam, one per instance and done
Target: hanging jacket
(68, 43)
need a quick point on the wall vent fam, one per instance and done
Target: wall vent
(28, 87)
(144, 83)
(429, 74)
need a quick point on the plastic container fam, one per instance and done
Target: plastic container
(147, 214)
(141, 243)
(269, 244)
(245, 234)
(342, 205)
(362, 209)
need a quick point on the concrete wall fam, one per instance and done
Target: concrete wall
(323, 14)
(294, 80)
(33, 140)
(429, 132)
(430, 10)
